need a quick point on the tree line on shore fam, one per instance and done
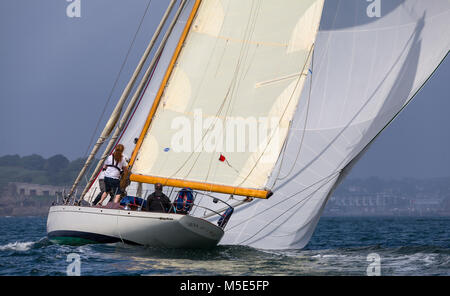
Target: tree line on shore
(56, 170)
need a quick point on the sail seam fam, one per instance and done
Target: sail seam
(303, 133)
(284, 111)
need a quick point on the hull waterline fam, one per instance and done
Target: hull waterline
(81, 225)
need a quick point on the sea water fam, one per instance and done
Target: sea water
(339, 246)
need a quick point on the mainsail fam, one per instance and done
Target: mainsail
(231, 95)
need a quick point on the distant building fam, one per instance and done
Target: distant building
(26, 189)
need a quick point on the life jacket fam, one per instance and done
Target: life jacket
(225, 217)
(184, 201)
(133, 201)
(113, 165)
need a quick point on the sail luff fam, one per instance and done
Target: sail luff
(128, 111)
(164, 82)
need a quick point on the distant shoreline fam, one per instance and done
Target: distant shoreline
(41, 214)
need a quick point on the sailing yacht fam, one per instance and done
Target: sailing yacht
(260, 108)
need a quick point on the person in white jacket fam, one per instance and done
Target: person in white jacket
(116, 165)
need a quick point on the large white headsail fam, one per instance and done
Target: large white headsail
(370, 60)
(232, 92)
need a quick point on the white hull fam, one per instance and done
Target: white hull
(99, 225)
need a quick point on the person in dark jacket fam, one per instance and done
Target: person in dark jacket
(158, 201)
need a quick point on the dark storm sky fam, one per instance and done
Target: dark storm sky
(56, 74)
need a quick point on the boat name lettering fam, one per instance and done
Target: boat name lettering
(194, 225)
(162, 218)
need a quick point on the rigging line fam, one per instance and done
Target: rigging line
(142, 84)
(242, 61)
(282, 154)
(131, 116)
(198, 144)
(255, 19)
(380, 84)
(243, 56)
(407, 103)
(193, 103)
(327, 46)
(289, 128)
(203, 137)
(349, 71)
(369, 143)
(170, 67)
(304, 129)
(212, 196)
(209, 166)
(244, 52)
(284, 111)
(227, 96)
(306, 198)
(248, 32)
(201, 82)
(288, 198)
(206, 134)
(117, 79)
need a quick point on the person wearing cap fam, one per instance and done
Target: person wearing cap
(158, 201)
